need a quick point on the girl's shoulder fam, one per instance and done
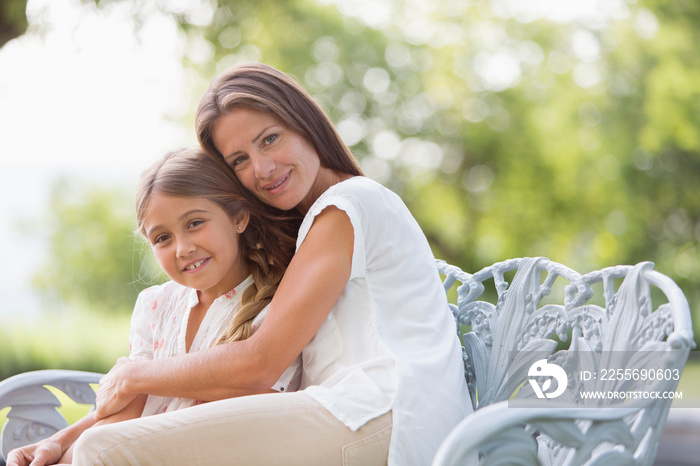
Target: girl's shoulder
(167, 292)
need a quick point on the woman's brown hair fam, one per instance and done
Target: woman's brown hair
(267, 243)
(261, 87)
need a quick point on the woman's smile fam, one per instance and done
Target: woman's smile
(277, 185)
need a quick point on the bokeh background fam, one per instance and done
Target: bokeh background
(565, 129)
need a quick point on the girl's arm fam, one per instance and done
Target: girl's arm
(51, 449)
(59, 447)
(132, 411)
(310, 288)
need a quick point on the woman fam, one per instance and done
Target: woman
(361, 301)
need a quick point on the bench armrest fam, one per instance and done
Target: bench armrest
(33, 415)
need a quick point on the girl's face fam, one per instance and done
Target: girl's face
(271, 160)
(196, 243)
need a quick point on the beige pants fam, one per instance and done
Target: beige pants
(274, 429)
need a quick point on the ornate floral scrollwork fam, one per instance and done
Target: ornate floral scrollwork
(628, 330)
(33, 415)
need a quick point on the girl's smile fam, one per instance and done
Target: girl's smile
(196, 266)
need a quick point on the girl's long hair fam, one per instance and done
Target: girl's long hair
(260, 87)
(267, 243)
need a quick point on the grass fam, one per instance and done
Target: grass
(77, 339)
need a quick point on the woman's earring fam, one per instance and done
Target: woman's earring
(239, 228)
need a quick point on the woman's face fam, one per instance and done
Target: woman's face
(272, 161)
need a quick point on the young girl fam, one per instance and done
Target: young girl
(209, 240)
(224, 268)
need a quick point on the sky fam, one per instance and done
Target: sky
(86, 98)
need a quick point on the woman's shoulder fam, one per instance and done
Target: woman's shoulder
(361, 192)
(368, 204)
(358, 185)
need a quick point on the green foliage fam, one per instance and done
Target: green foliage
(507, 135)
(13, 20)
(95, 259)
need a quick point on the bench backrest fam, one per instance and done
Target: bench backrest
(604, 324)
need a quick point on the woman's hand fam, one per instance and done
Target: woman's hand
(112, 396)
(47, 451)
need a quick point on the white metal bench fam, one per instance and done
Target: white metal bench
(33, 415)
(611, 320)
(535, 305)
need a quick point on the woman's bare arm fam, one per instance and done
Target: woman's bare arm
(310, 288)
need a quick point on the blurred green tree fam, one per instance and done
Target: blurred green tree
(95, 260)
(508, 130)
(13, 20)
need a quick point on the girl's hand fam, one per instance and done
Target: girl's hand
(111, 396)
(47, 451)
